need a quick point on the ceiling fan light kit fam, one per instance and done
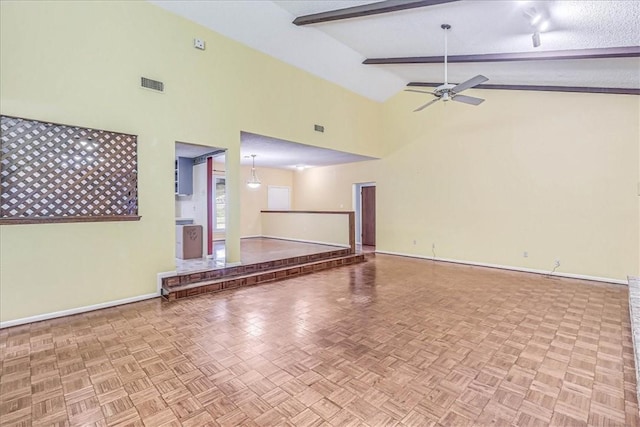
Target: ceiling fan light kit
(450, 92)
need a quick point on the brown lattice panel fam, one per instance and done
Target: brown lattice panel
(57, 173)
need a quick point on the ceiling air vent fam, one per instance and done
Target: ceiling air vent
(152, 84)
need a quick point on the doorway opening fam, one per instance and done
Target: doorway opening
(364, 202)
(200, 206)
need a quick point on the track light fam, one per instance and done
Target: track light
(536, 39)
(536, 18)
(540, 22)
(544, 25)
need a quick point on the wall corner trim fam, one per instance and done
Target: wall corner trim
(78, 310)
(161, 276)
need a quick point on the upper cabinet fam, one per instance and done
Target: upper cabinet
(184, 176)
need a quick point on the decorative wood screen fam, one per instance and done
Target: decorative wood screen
(57, 173)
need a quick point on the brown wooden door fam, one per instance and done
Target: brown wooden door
(368, 216)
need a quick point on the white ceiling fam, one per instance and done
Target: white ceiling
(335, 50)
(274, 153)
(277, 153)
(192, 150)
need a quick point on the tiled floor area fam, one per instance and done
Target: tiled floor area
(252, 251)
(393, 341)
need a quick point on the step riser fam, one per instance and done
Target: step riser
(189, 278)
(261, 278)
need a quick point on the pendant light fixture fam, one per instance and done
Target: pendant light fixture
(253, 181)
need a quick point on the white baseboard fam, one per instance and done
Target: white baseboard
(233, 264)
(511, 268)
(56, 314)
(307, 241)
(251, 236)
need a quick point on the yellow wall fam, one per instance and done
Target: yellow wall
(255, 200)
(330, 188)
(80, 63)
(331, 229)
(553, 174)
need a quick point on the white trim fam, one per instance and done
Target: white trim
(356, 201)
(254, 236)
(213, 214)
(508, 267)
(161, 276)
(78, 310)
(307, 241)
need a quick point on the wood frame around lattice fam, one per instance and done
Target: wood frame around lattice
(59, 173)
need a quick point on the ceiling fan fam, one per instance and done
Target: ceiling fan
(448, 91)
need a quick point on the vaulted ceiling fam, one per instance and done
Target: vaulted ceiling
(377, 48)
(587, 45)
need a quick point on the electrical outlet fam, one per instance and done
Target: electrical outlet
(198, 44)
(433, 246)
(414, 242)
(525, 254)
(557, 263)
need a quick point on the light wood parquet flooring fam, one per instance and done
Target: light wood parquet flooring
(394, 341)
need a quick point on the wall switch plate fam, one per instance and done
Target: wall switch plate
(198, 44)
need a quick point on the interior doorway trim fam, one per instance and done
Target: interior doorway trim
(357, 206)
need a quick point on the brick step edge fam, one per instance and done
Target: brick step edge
(258, 278)
(187, 278)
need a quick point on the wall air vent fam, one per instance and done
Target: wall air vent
(152, 84)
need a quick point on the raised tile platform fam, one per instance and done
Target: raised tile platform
(197, 283)
(634, 314)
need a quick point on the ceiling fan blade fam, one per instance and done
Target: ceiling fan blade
(420, 91)
(422, 107)
(469, 83)
(467, 99)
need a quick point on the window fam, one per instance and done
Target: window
(220, 196)
(278, 198)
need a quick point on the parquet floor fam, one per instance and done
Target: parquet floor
(393, 341)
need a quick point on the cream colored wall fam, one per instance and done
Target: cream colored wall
(80, 63)
(553, 174)
(255, 200)
(332, 229)
(331, 187)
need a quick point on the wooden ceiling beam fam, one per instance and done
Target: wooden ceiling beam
(366, 10)
(581, 89)
(596, 53)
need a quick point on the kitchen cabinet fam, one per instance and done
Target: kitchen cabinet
(183, 176)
